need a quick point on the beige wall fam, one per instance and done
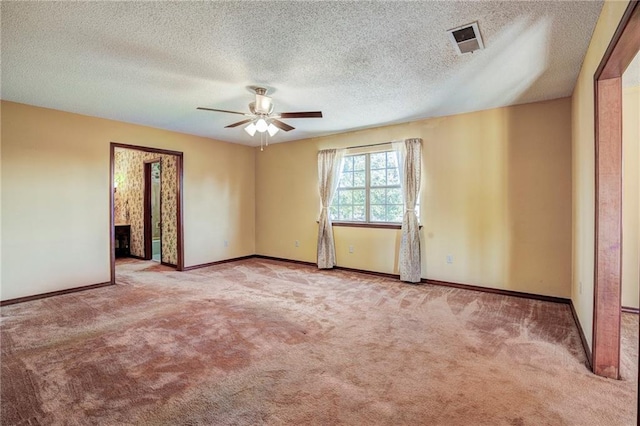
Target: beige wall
(55, 197)
(630, 196)
(496, 196)
(583, 154)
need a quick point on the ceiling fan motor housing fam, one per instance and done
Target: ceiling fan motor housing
(263, 104)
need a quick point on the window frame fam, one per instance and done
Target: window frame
(367, 223)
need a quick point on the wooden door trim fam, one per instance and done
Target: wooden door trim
(623, 45)
(608, 232)
(180, 212)
(112, 224)
(608, 192)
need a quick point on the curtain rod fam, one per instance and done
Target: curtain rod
(371, 144)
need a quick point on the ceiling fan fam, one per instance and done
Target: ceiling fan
(261, 116)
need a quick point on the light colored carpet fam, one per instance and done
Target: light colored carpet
(266, 342)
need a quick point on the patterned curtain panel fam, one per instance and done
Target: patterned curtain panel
(329, 165)
(409, 161)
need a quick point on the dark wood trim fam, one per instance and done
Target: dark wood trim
(146, 149)
(281, 259)
(499, 291)
(624, 45)
(512, 293)
(336, 268)
(219, 262)
(180, 211)
(54, 293)
(112, 225)
(179, 205)
(630, 310)
(362, 271)
(583, 338)
(146, 211)
(368, 225)
(168, 264)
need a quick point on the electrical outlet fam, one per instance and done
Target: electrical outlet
(350, 249)
(226, 243)
(297, 243)
(449, 259)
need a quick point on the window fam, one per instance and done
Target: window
(369, 189)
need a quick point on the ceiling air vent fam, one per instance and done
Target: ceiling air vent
(466, 38)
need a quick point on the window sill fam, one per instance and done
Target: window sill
(369, 225)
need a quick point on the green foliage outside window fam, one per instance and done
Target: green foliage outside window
(369, 189)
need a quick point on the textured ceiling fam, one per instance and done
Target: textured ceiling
(364, 64)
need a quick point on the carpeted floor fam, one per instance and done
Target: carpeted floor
(266, 342)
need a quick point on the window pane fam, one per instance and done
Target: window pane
(378, 160)
(394, 196)
(348, 164)
(392, 177)
(359, 179)
(392, 160)
(346, 212)
(377, 213)
(333, 212)
(378, 196)
(345, 197)
(358, 213)
(394, 213)
(378, 177)
(346, 180)
(359, 197)
(359, 162)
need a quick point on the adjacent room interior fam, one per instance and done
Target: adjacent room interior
(408, 213)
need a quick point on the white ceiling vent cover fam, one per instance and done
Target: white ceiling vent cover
(466, 38)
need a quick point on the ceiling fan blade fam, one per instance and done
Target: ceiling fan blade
(222, 110)
(280, 125)
(309, 114)
(239, 123)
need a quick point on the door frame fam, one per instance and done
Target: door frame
(623, 47)
(147, 211)
(179, 203)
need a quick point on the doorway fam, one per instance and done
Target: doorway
(608, 205)
(153, 209)
(127, 176)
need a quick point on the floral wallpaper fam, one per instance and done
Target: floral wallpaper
(129, 199)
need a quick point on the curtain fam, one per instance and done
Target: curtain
(329, 167)
(409, 154)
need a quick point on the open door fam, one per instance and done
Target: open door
(152, 210)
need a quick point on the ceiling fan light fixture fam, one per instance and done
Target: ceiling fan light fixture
(261, 125)
(251, 129)
(272, 129)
